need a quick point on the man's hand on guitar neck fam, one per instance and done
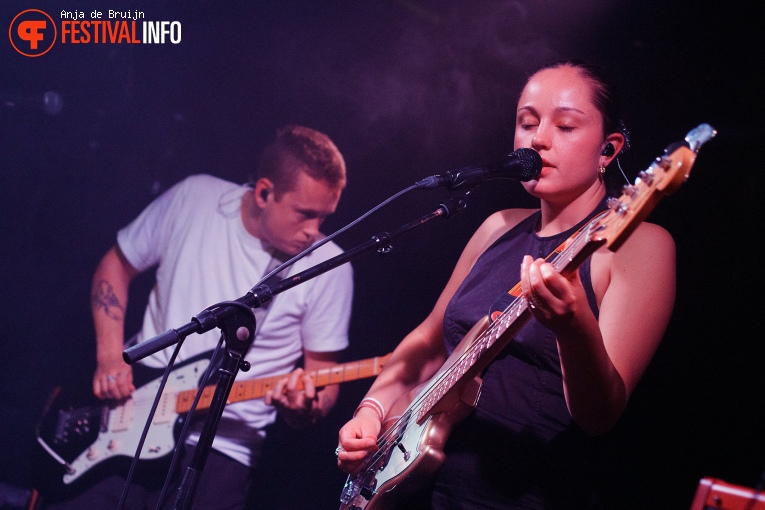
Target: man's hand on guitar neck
(113, 380)
(296, 399)
(295, 396)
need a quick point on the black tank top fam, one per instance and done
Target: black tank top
(520, 444)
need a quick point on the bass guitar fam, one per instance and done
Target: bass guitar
(415, 430)
(74, 439)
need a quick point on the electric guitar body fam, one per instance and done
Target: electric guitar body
(81, 439)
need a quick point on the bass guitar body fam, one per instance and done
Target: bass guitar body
(411, 444)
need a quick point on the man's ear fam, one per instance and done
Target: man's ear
(263, 188)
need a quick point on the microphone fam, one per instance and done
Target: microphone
(522, 165)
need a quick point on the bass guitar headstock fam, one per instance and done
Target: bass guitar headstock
(660, 179)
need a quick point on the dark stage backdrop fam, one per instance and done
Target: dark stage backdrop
(91, 133)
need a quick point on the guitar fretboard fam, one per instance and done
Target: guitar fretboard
(257, 388)
(565, 258)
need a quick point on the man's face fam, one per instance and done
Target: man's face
(292, 221)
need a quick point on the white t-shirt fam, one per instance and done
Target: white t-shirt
(195, 235)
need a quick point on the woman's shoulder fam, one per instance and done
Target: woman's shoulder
(647, 255)
(649, 234)
(505, 219)
(649, 243)
(497, 224)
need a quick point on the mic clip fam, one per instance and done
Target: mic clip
(453, 179)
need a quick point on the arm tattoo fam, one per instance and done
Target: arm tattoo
(104, 298)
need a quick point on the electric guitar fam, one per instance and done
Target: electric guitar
(417, 426)
(74, 439)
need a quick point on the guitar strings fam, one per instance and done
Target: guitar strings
(562, 254)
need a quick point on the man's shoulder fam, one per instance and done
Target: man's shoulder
(203, 187)
(202, 180)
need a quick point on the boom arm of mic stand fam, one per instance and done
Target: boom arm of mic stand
(258, 296)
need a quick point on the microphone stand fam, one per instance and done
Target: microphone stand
(237, 323)
(238, 330)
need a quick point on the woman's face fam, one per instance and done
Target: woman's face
(557, 118)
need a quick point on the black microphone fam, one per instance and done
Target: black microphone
(522, 165)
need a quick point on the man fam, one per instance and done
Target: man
(211, 241)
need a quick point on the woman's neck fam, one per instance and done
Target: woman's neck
(559, 217)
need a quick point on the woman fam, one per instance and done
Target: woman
(569, 372)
